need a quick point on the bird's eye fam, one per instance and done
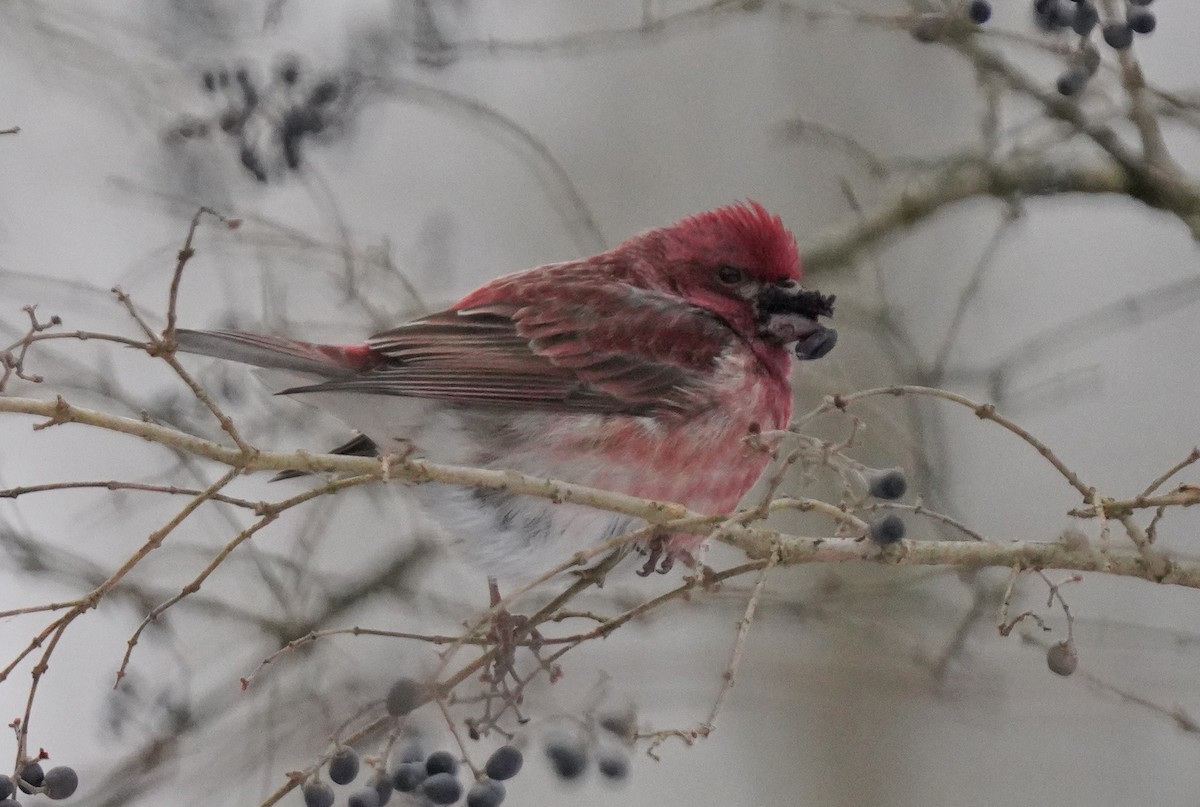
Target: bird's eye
(730, 274)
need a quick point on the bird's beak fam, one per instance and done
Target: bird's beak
(789, 314)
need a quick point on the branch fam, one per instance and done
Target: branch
(757, 543)
(925, 195)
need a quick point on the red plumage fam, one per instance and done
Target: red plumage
(640, 370)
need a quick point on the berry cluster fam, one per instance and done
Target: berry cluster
(57, 783)
(569, 755)
(571, 751)
(1083, 18)
(269, 122)
(433, 778)
(889, 485)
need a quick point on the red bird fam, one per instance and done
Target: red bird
(640, 370)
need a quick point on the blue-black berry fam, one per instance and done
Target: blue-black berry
(1117, 34)
(60, 782)
(6, 787)
(442, 788)
(408, 776)
(1072, 82)
(383, 787)
(613, 765)
(1140, 20)
(504, 763)
(367, 797)
(980, 11)
(1085, 19)
(441, 762)
(1052, 15)
(485, 794)
(318, 794)
(31, 774)
(622, 724)
(323, 93)
(289, 70)
(887, 484)
(567, 755)
(887, 530)
(403, 697)
(343, 767)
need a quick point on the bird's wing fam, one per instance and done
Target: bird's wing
(599, 350)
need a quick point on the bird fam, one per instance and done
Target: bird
(644, 370)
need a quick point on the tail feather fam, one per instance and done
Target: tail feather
(277, 353)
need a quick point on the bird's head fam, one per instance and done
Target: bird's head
(742, 265)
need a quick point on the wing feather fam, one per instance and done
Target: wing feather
(624, 350)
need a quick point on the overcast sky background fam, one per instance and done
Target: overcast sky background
(442, 166)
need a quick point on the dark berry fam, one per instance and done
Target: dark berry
(408, 776)
(442, 788)
(6, 787)
(887, 484)
(980, 11)
(1072, 82)
(567, 755)
(613, 766)
(343, 767)
(1140, 20)
(1061, 658)
(301, 121)
(60, 782)
(1118, 35)
(230, 121)
(485, 794)
(504, 763)
(887, 530)
(31, 774)
(403, 697)
(323, 93)
(1085, 19)
(441, 762)
(289, 70)
(621, 724)
(383, 787)
(367, 797)
(1052, 15)
(318, 794)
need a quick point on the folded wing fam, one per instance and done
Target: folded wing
(602, 350)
